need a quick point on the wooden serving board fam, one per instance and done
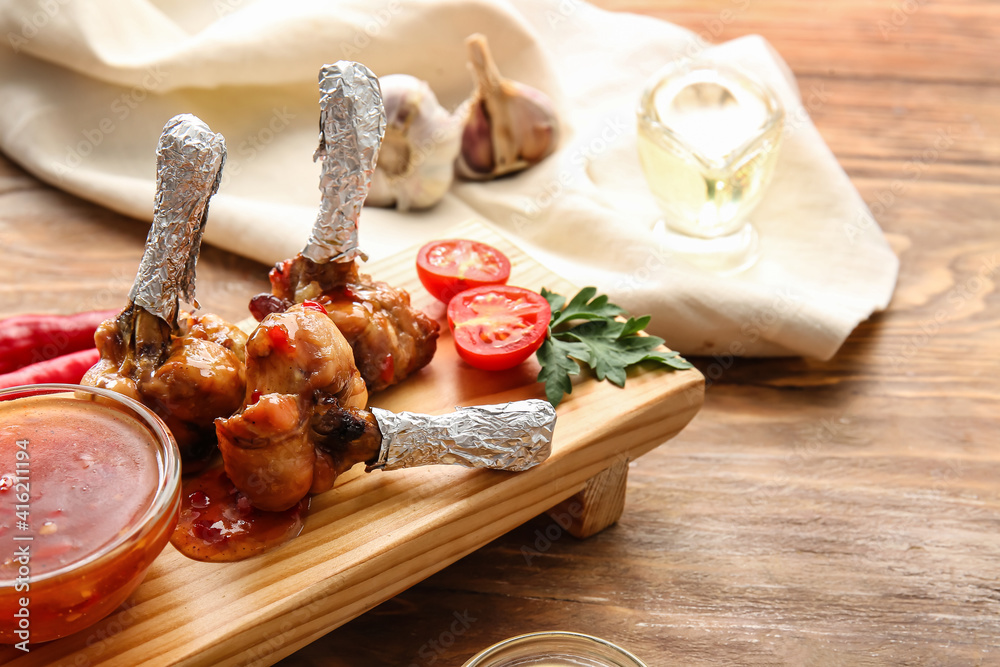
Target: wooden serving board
(376, 534)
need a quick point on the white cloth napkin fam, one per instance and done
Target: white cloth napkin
(86, 87)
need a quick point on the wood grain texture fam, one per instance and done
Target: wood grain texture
(814, 513)
(377, 534)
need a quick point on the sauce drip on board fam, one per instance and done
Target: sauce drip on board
(218, 523)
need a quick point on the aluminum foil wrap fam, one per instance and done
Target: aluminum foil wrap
(189, 161)
(510, 436)
(351, 126)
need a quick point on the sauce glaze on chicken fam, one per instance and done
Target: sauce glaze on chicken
(304, 420)
(390, 338)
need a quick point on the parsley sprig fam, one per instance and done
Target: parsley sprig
(599, 339)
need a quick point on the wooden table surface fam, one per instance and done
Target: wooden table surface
(815, 513)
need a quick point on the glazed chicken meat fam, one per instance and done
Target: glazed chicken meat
(304, 420)
(390, 339)
(188, 376)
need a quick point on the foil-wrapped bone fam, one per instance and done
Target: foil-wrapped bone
(187, 368)
(509, 436)
(352, 124)
(390, 338)
(189, 161)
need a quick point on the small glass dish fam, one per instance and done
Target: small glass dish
(708, 140)
(554, 649)
(89, 496)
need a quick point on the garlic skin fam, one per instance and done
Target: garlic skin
(509, 126)
(415, 164)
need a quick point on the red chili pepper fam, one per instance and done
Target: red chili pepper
(341, 293)
(281, 275)
(67, 369)
(388, 369)
(30, 339)
(279, 339)
(314, 305)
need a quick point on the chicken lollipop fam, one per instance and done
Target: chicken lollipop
(188, 369)
(305, 421)
(390, 339)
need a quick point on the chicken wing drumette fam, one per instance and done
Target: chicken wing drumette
(188, 369)
(305, 420)
(329, 335)
(389, 337)
(184, 375)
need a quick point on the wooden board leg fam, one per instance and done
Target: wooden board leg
(598, 505)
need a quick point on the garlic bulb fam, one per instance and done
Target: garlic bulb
(415, 164)
(509, 127)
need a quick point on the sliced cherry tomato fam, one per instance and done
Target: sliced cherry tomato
(451, 266)
(498, 326)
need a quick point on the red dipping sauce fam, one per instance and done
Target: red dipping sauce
(89, 494)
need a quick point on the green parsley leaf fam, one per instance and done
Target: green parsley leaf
(584, 306)
(635, 325)
(556, 301)
(557, 360)
(671, 359)
(607, 345)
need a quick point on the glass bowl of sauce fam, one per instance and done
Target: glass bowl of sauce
(89, 495)
(554, 649)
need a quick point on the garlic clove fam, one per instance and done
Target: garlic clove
(415, 165)
(509, 125)
(477, 144)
